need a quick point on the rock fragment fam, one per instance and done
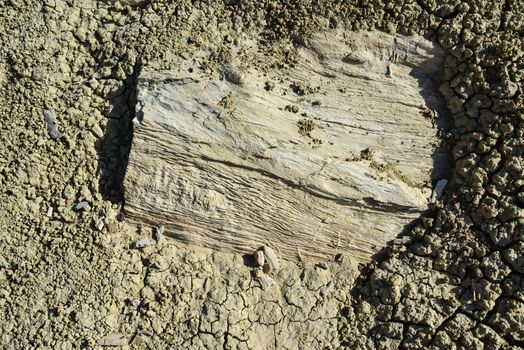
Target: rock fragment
(331, 133)
(259, 258)
(322, 265)
(231, 74)
(52, 124)
(143, 243)
(97, 131)
(159, 232)
(116, 339)
(99, 224)
(81, 205)
(438, 190)
(271, 257)
(129, 2)
(265, 281)
(402, 240)
(325, 290)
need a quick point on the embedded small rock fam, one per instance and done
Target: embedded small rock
(271, 257)
(438, 190)
(116, 339)
(159, 232)
(81, 205)
(259, 258)
(52, 124)
(143, 243)
(265, 281)
(325, 290)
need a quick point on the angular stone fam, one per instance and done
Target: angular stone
(271, 257)
(259, 258)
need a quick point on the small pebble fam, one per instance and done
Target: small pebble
(322, 265)
(140, 332)
(402, 240)
(271, 257)
(265, 281)
(438, 190)
(143, 243)
(120, 216)
(81, 205)
(52, 125)
(99, 225)
(97, 131)
(259, 258)
(326, 289)
(116, 339)
(159, 233)
(267, 268)
(112, 227)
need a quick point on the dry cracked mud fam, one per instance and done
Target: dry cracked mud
(71, 275)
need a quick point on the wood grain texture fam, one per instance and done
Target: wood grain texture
(331, 156)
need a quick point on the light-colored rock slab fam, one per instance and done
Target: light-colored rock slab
(332, 155)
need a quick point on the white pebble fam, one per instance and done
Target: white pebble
(81, 205)
(116, 339)
(259, 258)
(402, 240)
(97, 131)
(326, 289)
(143, 243)
(271, 257)
(265, 281)
(159, 233)
(438, 190)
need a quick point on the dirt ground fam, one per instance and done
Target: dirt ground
(70, 278)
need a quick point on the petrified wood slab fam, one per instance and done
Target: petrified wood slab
(334, 155)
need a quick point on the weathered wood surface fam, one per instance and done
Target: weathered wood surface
(232, 166)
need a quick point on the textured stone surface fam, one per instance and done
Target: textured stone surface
(336, 156)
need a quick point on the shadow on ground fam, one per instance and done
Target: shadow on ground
(113, 150)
